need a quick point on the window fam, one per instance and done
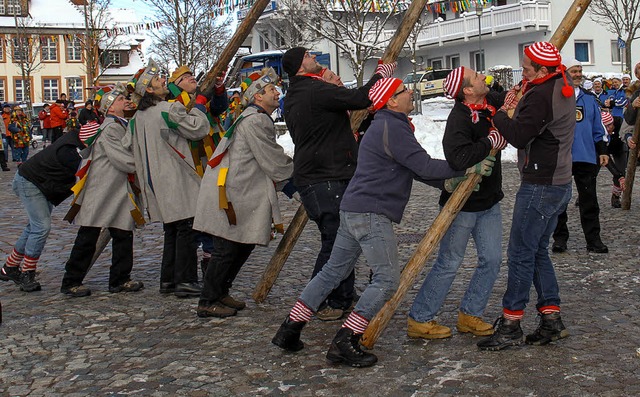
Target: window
(435, 63)
(11, 7)
(453, 61)
(2, 58)
(478, 60)
(615, 52)
(584, 51)
(50, 89)
(111, 58)
(76, 88)
(21, 89)
(19, 50)
(74, 49)
(48, 49)
(3, 90)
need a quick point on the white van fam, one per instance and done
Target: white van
(428, 82)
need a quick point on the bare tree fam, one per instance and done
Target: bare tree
(287, 22)
(620, 17)
(26, 45)
(190, 35)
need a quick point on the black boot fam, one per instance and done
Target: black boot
(507, 333)
(345, 348)
(288, 335)
(550, 329)
(615, 201)
(204, 262)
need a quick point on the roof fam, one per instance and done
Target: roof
(57, 14)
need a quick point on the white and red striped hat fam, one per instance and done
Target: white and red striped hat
(543, 53)
(88, 131)
(382, 91)
(607, 118)
(453, 82)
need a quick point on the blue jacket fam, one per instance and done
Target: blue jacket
(588, 140)
(620, 102)
(387, 166)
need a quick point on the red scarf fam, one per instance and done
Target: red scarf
(476, 108)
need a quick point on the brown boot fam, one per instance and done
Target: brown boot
(229, 301)
(215, 310)
(474, 325)
(429, 330)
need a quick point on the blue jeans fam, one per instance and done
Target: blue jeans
(486, 229)
(372, 235)
(38, 208)
(535, 215)
(21, 153)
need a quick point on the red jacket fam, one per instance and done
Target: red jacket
(58, 116)
(46, 118)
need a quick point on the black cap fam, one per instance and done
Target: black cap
(292, 60)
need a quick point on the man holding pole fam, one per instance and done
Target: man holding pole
(542, 131)
(468, 138)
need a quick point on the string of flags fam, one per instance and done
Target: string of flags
(133, 28)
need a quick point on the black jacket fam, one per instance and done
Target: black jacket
(87, 115)
(466, 144)
(53, 169)
(318, 121)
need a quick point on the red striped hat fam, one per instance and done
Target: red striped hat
(88, 131)
(453, 82)
(382, 91)
(607, 118)
(544, 53)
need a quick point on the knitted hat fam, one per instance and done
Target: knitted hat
(382, 91)
(110, 97)
(179, 72)
(292, 60)
(607, 118)
(267, 77)
(571, 63)
(88, 131)
(453, 83)
(543, 53)
(626, 75)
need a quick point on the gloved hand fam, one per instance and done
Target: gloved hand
(622, 183)
(511, 100)
(201, 99)
(452, 183)
(386, 69)
(484, 168)
(289, 189)
(497, 141)
(296, 197)
(219, 86)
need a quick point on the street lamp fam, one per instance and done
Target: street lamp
(479, 10)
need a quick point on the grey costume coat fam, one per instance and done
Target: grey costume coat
(104, 200)
(164, 165)
(255, 163)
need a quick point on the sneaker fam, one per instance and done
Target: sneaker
(288, 335)
(129, 286)
(598, 247)
(549, 329)
(506, 333)
(615, 201)
(188, 290)
(559, 247)
(76, 291)
(345, 349)
(28, 281)
(329, 314)
(427, 330)
(473, 324)
(215, 310)
(228, 301)
(10, 273)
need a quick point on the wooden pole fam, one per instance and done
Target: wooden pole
(281, 254)
(300, 220)
(454, 204)
(630, 175)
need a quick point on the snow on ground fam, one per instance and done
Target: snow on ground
(429, 130)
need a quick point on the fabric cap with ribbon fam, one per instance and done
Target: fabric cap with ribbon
(269, 76)
(382, 91)
(453, 83)
(607, 118)
(107, 99)
(292, 60)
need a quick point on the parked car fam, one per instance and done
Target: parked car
(428, 82)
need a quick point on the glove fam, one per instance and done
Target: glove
(219, 86)
(622, 183)
(386, 69)
(497, 141)
(484, 168)
(289, 189)
(511, 100)
(201, 100)
(452, 183)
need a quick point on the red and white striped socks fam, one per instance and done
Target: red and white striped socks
(549, 309)
(14, 259)
(300, 313)
(356, 323)
(512, 315)
(29, 263)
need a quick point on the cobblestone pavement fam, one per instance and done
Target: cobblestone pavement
(148, 344)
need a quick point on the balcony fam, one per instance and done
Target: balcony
(526, 15)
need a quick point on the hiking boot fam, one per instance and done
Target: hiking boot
(10, 273)
(167, 288)
(345, 348)
(329, 314)
(506, 333)
(186, 290)
(598, 247)
(615, 201)
(473, 324)
(129, 286)
(559, 247)
(427, 330)
(549, 329)
(229, 301)
(288, 335)
(5, 168)
(215, 310)
(28, 281)
(76, 291)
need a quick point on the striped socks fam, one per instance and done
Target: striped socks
(512, 315)
(14, 259)
(300, 313)
(29, 263)
(549, 309)
(356, 323)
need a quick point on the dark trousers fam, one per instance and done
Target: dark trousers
(322, 203)
(180, 253)
(585, 175)
(226, 261)
(56, 133)
(85, 247)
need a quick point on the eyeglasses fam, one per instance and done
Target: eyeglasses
(399, 92)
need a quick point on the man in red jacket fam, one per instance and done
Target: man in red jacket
(45, 119)
(59, 116)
